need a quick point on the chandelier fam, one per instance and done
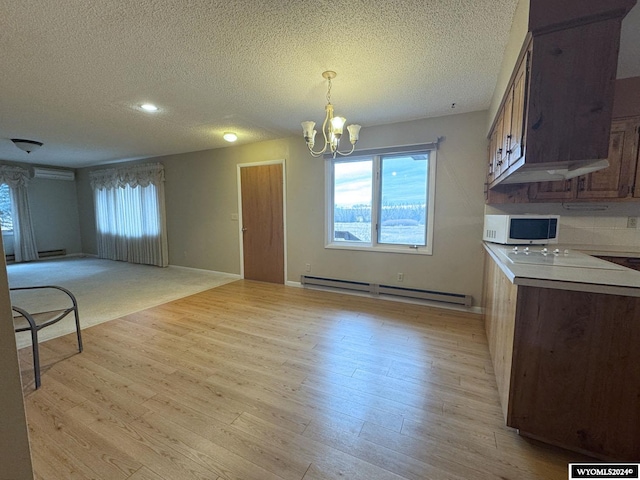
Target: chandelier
(332, 128)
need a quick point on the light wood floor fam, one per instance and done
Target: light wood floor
(260, 381)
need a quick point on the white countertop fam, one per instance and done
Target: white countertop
(572, 271)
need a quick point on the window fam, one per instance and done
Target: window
(130, 214)
(382, 202)
(6, 220)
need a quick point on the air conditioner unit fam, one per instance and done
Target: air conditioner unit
(54, 173)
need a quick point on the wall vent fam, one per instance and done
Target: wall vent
(54, 173)
(387, 290)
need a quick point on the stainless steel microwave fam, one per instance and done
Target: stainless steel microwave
(521, 229)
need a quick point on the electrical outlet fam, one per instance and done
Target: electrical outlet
(307, 267)
(632, 222)
(400, 277)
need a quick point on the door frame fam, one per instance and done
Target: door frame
(284, 209)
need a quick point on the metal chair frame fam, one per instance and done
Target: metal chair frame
(34, 327)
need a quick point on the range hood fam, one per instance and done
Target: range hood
(552, 171)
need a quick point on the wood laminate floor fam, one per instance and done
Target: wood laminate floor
(260, 381)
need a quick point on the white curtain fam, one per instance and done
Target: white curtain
(24, 240)
(130, 214)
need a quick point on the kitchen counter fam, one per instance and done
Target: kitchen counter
(573, 270)
(563, 332)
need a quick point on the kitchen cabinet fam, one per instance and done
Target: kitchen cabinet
(506, 141)
(566, 361)
(629, 262)
(616, 182)
(557, 107)
(500, 297)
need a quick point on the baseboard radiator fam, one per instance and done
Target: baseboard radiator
(386, 290)
(44, 254)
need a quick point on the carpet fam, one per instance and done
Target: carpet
(105, 289)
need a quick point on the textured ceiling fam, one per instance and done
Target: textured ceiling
(75, 71)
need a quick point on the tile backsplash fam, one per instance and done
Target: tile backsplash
(604, 225)
(598, 230)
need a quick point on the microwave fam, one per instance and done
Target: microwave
(521, 229)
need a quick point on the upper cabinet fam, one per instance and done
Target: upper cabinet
(619, 181)
(556, 113)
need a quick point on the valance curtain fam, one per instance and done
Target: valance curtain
(24, 240)
(130, 214)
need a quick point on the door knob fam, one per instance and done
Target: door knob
(244, 229)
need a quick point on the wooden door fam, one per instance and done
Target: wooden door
(497, 153)
(558, 190)
(613, 181)
(493, 148)
(507, 111)
(263, 222)
(635, 156)
(516, 146)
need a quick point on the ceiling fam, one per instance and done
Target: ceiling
(74, 72)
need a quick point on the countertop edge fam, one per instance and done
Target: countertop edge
(533, 281)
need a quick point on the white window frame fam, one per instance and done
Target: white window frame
(374, 246)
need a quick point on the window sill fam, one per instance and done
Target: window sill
(380, 248)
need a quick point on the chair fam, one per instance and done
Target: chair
(34, 322)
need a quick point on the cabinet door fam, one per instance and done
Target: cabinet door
(571, 92)
(560, 190)
(498, 165)
(615, 180)
(516, 147)
(491, 166)
(635, 157)
(507, 111)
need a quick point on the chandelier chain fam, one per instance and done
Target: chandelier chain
(329, 92)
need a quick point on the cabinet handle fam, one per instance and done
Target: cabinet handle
(499, 151)
(509, 152)
(581, 184)
(509, 136)
(499, 162)
(568, 185)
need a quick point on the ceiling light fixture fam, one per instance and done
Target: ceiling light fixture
(230, 136)
(332, 128)
(26, 145)
(149, 107)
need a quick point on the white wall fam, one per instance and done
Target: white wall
(54, 215)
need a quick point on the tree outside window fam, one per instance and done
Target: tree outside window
(382, 202)
(6, 221)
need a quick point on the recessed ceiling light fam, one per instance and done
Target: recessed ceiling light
(230, 136)
(149, 107)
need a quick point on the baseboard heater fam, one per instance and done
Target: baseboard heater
(387, 290)
(44, 254)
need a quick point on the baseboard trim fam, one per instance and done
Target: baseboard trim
(459, 308)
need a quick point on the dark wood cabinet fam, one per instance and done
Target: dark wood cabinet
(517, 131)
(616, 182)
(567, 364)
(558, 105)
